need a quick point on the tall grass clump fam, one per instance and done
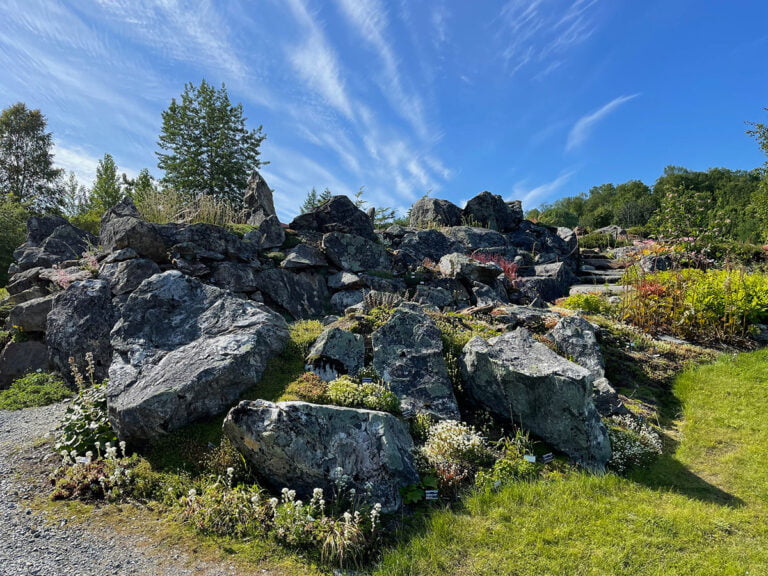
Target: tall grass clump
(163, 206)
(701, 305)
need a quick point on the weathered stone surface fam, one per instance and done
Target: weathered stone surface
(35, 291)
(355, 253)
(302, 295)
(24, 280)
(486, 295)
(209, 240)
(20, 358)
(656, 263)
(606, 399)
(523, 381)
(416, 247)
(184, 350)
(235, 276)
(121, 255)
(51, 240)
(63, 277)
(428, 212)
(408, 355)
(612, 230)
(339, 214)
(491, 211)
(193, 253)
(539, 239)
(459, 266)
(346, 299)
(434, 296)
(125, 275)
(575, 339)
(123, 227)
(31, 315)
(270, 233)
(472, 239)
(301, 445)
(258, 201)
(79, 322)
(344, 280)
(304, 256)
(336, 352)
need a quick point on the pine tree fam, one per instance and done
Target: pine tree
(26, 161)
(206, 147)
(313, 200)
(106, 191)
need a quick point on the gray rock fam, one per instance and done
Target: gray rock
(302, 295)
(463, 267)
(210, 242)
(408, 355)
(612, 230)
(487, 296)
(428, 212)
(434, 296)
(575, 339)
(472, 239)
(20, 358)
(607, 401)
(304, 256)
(416, 247)
(336, 352)
(63, 277)
(121, 255)
(23, 280)
(355, 253)
(524, 382)
(347, 298)
(51, 240)
(344, 280)
(258, 201)
(31, 293)
(339, 214)
(80, 321)
(125, 275)
(31, 315)
(235, 276)
(656, 263)
(122, 227)
(184, 350)
(490, 210)
(269, 235)
(192, 252)
(300, 445)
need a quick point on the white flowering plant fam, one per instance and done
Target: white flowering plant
(634, 443)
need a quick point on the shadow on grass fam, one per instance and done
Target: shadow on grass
(668, 473)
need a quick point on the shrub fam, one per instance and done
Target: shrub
(455, 451)
(601, 241)
(344, 391)
(509, 269)
(93, 477)
(163, 206)
(589, 303)
(36, 389)
(13, 227)
(308, 387)
(633, 443)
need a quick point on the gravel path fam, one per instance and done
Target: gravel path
(30, 544)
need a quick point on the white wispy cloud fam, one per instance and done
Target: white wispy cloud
(584, 125)
(539, 34)
(73, 158)
(541, 193)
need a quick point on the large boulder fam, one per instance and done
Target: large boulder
(258, 200)
(302, 295)
(125, 275)
(336, 352)
(31, 315)
(51, 240)
(408, 355)
(490, 211)
(463, 267)
(24, 280)
(339, 214)
(472, 239)
(522, 381)
(355, 253)
(20, 358)
(80, 321)
(416, 247)
(270, 234)
(184, 350)
(235, 276)
(306, 446)
(304, 256)
(428, 212)
(575, 339)
(123, 227)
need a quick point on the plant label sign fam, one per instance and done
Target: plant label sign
(530, 458)
(367, 380)
(547, 458)
(430, 495)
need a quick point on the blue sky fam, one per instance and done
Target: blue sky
(532, 100)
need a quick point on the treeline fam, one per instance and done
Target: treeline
(720, 203)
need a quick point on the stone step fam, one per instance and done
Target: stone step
(601, 276)
(605, 289)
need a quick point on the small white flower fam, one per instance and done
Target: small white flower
(230, 471)
(192, 492)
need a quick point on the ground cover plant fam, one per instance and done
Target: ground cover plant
(35, 389)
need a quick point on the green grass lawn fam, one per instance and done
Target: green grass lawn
(702, 509)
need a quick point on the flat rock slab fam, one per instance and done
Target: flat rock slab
(183, 351)
(299, 445)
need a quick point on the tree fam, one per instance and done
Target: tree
(106, 191)
(206, 148)
(759, 201)
(141, 187)
(74, 196)
(26, 162)
(313, 200)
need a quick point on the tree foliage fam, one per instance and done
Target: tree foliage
(206, 148)
(13, 220)
(26, 161)
(107, 190)
(313, 199)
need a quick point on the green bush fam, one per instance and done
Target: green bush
(89, 221)
(36, 389)
(308, 387)
(702, 305)
(633, 443)
(601, 241)
(589, 303)
(344, 391)
(85, 422)
(13, 228)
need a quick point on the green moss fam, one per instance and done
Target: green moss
(36, 389)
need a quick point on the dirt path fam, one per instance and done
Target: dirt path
(36, 543)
